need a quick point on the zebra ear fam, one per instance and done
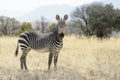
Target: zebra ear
(65, 17)
(58, 17)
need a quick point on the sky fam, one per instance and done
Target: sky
(17, 8)
(32, 4)
(28, 5)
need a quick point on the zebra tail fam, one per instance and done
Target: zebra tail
(16, 52)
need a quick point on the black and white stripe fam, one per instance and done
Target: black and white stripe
(53, 42)
(37, 41)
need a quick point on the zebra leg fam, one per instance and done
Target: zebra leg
(25, 59)
(22, 61)
(50, 60)
(55, 61)
(25, 66)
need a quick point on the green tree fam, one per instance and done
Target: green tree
(117, 21)
(52, 26)
(102, 18)
(8, 26)
(96, 19)
(25, 26)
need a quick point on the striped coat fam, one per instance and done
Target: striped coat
(52, 42)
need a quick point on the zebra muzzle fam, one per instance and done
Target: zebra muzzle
(61, 35)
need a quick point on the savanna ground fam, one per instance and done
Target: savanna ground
(80, 59)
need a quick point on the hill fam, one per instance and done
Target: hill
(48, 12)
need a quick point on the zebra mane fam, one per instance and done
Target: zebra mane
(53, 29)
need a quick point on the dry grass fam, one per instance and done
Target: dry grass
(80, 59)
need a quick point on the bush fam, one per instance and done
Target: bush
(26, 26)
(1, 33)
(52, 26)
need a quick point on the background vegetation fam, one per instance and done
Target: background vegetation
(96, 19)
(25, 26)
(82, 58)
(93, 19)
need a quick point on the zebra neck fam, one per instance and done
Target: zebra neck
(56, 37)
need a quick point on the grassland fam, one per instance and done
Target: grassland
(80, 59)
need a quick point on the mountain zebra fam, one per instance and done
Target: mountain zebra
(52, 41)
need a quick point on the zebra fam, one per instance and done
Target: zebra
(52, 41)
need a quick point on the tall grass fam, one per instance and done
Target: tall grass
(80, 59)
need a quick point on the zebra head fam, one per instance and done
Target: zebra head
(60, 27)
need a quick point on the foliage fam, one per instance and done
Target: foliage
(8, 26)
(96, 19)
(25, 26)
(117, 20)
(52, 26)
(1, 33)
(41, 24)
